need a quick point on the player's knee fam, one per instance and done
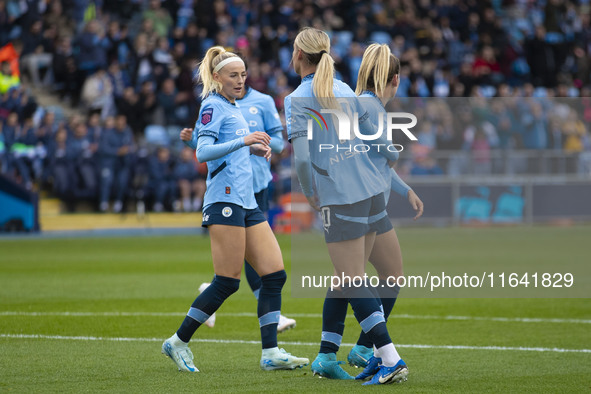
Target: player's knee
(274, 282)
(227, 286)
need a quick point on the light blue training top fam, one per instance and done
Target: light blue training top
(338, 176)
(373, 105)
(261, 115)
(220, 132)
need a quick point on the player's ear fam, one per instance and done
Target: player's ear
(216, 77)
(396, 80)
(300, 54)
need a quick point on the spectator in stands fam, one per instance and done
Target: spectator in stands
(61, 165)
(148, 103)
(83, 147)
(37, 52)
(95, 129)
(27, 156)
(427, 135)
(422, 163)
(8, 80)
(160, 18)
(481, 153)
(175, 105)
(92, 48)
(130, 105)
(192, 40)
(162, 181)
(10, 129)
(97, 94)
(6, 23)
(115, 160)
(534, 126)
(120, 80)
(486, 69)
(190, 176)
(542, 59)
(57, 17)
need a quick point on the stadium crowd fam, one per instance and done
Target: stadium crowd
(130, 65)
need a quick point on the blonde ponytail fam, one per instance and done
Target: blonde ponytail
(316, 46)
(377, 69)
(212, 58)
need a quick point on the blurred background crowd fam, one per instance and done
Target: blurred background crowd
(128, 68)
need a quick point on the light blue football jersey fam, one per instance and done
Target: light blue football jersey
(341, 176)
(373, 105)
(261, 115)
(229, 178)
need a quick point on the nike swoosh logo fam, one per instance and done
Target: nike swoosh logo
(272, 364)
(384, 379)
(184, 362)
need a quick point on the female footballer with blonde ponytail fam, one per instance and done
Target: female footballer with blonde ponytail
(350, 195)
(237, 227)
(377, 84)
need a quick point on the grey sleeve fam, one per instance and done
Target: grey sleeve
(301, 153)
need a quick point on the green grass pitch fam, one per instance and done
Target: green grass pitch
(90, 314)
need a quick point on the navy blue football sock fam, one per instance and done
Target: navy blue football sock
(368, 312)
(387, 296)
(334, 313)
(206, 304)
(269, 307)
(254, 280)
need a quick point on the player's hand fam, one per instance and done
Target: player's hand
(415, 203)
(258, 137)
(261, 150)
(313, 201)
(186, 134)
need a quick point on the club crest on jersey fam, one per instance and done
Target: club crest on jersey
(228, 190)
(253, 110)
(206, 116)
(227, 212)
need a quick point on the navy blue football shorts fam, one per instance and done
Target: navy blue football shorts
(351, 221)
(231, 215)
(262, 199)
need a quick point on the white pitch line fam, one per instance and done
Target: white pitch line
(303, 315)
(292, 343)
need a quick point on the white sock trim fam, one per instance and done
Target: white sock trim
(270, 351)
(178, 341)
(389, 355)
